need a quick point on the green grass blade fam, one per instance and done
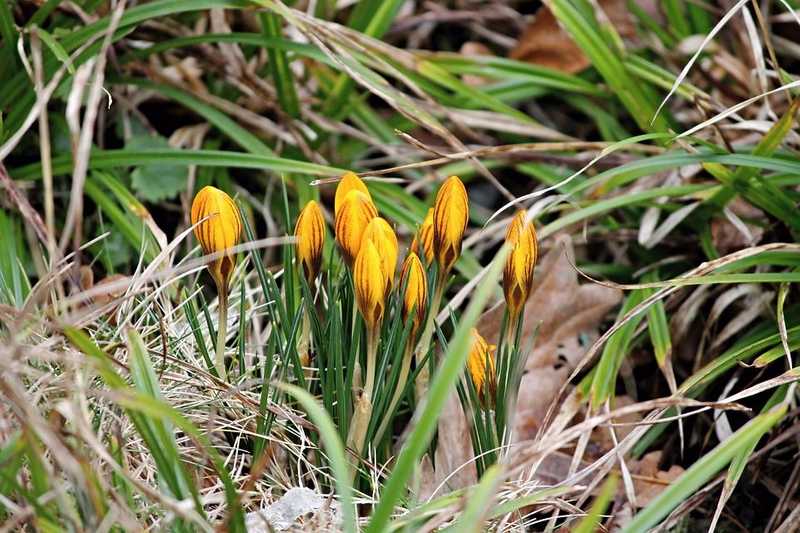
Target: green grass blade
(279, 66)
(335, 450)
(479, 501)
(614, 351)
(104, 159)
(703, 470)
(591, 522)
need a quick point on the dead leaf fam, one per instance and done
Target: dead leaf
(118, 282)
(649, 480)
(601, 441)
(544, 42)
(568, 314)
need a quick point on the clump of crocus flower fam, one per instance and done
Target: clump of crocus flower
(398, 314)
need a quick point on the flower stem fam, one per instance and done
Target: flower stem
(372, 354)
(222, 332)
(423, 377)
(362, 408)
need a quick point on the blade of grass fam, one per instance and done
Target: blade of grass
(703, 470)
(615, 350)
(591, 522)
(595, 39)
(479, 501)
(152, 417)
(103, 159)
(279, 66)
(739, 462)
(335, 451)
(375, 17)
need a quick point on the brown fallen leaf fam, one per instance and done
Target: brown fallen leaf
(649, 480)
(601, 440)
(544, 42)
(568, 314)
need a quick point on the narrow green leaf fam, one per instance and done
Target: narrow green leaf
(56, 48)
(615, 350)
(279, 66)
(479, 501)
(703, 470)
(591, 522)
(335, 450)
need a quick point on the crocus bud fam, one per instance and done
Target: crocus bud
(349, 182)
(382, 236)
(481, 368)
(218, 226)
(370, 285)
(352, 219)
(415, 297)
(518, 271)
(422, 245)
(310, 234)
(450, 215)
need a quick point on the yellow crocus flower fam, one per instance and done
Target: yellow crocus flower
(370, 285)
(349, 182)
(217, 226)
(480, 363)
(310, 233)
(422, 245)
(352, 219)
(518, 271)
(450, 216)
(383, 237)
(415, 297)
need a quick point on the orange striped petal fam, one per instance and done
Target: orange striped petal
(415, 297)
(383, 237)
(370, 285)
(349, 182)
(422, 244)
(354, 215)
(520, 263)
(480, 364)
(218, 227)
(310, 233)
(450, 216)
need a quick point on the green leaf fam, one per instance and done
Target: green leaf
(703, 470)
(156, 182)
(56, 48)
(591, 522)
(211, 158)
(615, 350)
(335, 451)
